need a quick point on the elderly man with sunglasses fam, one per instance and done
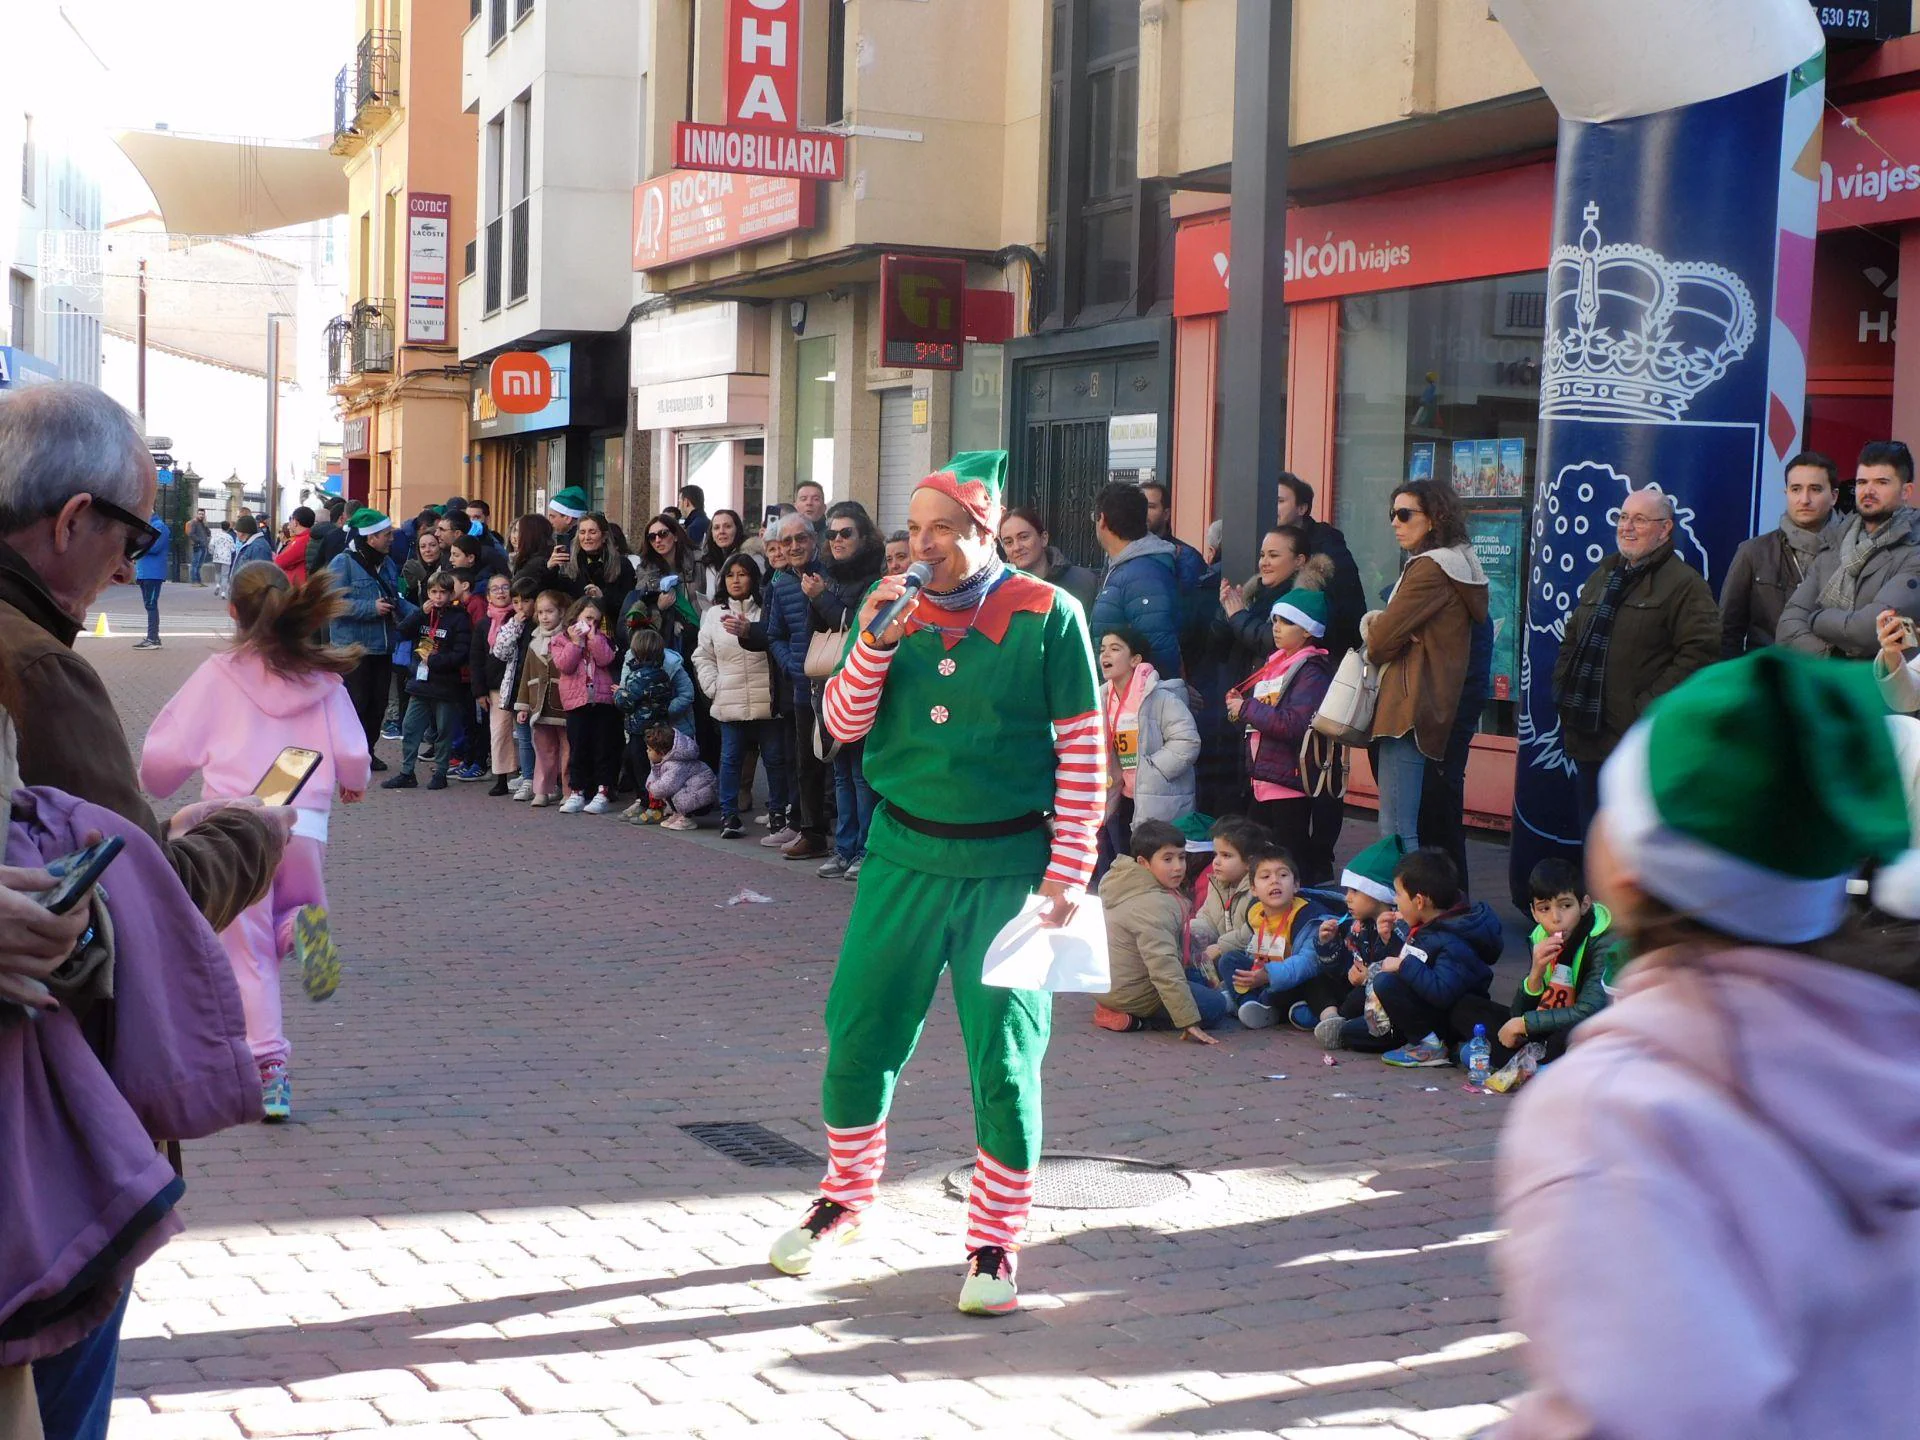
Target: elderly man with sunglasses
(76, 482)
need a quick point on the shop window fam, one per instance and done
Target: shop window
(977, 392)
(1444, 382)
(814, 362)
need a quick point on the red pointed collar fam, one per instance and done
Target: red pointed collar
(1018, 594)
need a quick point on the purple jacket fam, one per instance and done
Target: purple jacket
(80, 1178)
(1284, 726)
(1742, 1129)
(682, 780)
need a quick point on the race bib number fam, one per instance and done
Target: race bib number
(1126, 744)
(420, 670)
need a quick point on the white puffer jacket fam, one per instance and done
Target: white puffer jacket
(736, 680)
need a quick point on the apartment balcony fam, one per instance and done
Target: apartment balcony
(359, 343)
(366, 91)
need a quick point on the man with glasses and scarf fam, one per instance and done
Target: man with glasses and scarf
(984, 746)
(1871, 564)
(1644, 623)
(76, 482)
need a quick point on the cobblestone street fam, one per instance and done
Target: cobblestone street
(485, 1223)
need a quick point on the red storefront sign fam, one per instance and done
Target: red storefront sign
(923, 312)
(1497, 224)
(763, 63)
(685, 214)
(738, 151)
(1870, 170)
(520, 382)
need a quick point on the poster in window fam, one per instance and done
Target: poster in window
(1513, 467)
(1487, 476)
(1496, 535)
(1464, 465)
(1420, 463)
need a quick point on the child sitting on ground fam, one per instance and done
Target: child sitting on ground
(1449, 954)
(1576, 955)
(680, 782)
(1146, 920)
(1265, 963)
(1225, 893)
(1356, 947)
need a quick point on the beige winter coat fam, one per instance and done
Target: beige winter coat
(1144, 932)
(736, 680)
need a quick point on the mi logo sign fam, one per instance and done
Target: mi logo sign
(521, 383)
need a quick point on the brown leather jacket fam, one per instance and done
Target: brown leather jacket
(1422, 641)
(71, 740)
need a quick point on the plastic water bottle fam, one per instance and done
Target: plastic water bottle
(1479, 1057)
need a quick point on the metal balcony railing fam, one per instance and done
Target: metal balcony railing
(519, 242)
(366, 91)
(360, 342)
(496, 237)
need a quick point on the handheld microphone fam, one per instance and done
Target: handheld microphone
(916, 578)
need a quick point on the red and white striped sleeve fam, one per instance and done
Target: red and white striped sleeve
(853, 694)
(1079, 797)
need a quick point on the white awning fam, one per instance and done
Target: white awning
(219, 186)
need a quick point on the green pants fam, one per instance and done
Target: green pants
(907, 926)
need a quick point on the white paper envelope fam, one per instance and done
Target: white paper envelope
(1025, 955)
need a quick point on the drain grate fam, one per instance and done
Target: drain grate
(1092, 1182)
(754, 1146)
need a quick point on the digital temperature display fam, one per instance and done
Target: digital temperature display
(924, 355)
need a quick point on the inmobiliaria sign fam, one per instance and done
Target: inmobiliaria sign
(686, 214)
(761, 134)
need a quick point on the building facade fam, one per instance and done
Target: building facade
(394, 355)
(554, 86)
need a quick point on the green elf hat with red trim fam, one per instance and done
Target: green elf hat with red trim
(977, 479)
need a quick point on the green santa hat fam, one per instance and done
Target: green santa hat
(368, 521)
(1371, 871)
(1197, 830)
(1305, 608)
(978, 480)
(1747, 797)
(571, 501)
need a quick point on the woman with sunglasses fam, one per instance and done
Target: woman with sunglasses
(856, 557)
(667, 589)
(1422, 642)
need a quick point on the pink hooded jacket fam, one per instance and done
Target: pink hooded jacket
(586, 671)
(234, 715)
(1714, 1203)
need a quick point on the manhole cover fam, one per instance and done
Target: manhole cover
(1092, 1182)
(754, 1146)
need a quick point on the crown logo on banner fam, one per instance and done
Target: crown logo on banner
(1633, 335)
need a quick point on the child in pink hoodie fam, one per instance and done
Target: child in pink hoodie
(278, 686)
(596, 738)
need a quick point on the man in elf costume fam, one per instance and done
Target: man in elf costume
(567, 509)
(983, 745)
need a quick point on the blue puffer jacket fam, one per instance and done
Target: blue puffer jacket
(789, 627)
(362, 624)
(1453, 956)
(155, 563)
(1142, 591)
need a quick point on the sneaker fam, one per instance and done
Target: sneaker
(1300, 1015)
(1425, 1054)
(827, 1225)
(501, 786)
(765, 822)
(573, 804)
(276, 1093)
(807, 847)
(1256, 1016)
(315, 952)
(1331, 1032)
(679, 822)
(523, 792)
(989, 1287)
(780, 839)
(472, 770)
(731, 828)
(403, 781)
(146, 644)
(853, 870)
(437, 782)
(634, 811)
(390, 732)
(599, 805)
(540, 802)
(376, 764)
(834, 868)
(1118, 1021)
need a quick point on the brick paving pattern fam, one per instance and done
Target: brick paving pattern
(484, 1223)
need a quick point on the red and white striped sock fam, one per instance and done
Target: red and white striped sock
(855, 1159)
(997, 1203)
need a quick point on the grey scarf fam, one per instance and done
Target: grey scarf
(1801, 546)
(1856, 547)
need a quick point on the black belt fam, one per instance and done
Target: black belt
(991, 830)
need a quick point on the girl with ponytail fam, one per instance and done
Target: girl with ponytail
(278, 685)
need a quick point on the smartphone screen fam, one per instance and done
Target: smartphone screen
(291, 769)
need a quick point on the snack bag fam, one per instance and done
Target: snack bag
(1520, 1069)
(1376, 1013)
